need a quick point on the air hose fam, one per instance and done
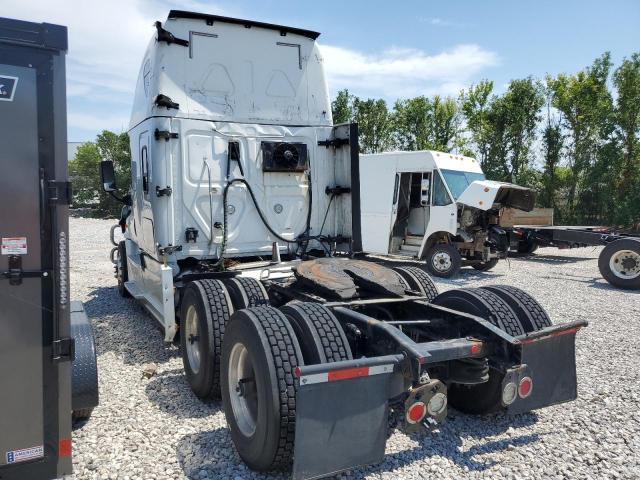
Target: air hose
(223, 245)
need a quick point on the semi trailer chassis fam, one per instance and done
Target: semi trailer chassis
(619, 261)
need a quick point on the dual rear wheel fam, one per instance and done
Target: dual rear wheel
(238, 348)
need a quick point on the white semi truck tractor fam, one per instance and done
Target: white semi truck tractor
(437, 207)
(241, 229)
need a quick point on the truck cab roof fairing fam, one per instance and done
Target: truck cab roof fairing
(232, 70)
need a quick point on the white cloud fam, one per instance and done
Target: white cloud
(107, 40)
(404, 72)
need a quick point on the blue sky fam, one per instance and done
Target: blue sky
(375, 49)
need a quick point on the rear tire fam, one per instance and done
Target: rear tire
(419, 281)
(246, 292)
(482, 398)
(531, 314)
(619, 263)
(260, 347)
(321, 337)
(204, 312)
(485, 266)
(443, 260)
(122, 271)
(81, 414)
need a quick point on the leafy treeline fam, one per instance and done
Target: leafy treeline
(84, 172)
(574, 138)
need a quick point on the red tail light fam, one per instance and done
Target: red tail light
(416, 412)
(525, 387)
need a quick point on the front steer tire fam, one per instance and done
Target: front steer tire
(485, 266)
(204, 312)
(443, 260)
(122, 270)
(261, 347)
(482, 398)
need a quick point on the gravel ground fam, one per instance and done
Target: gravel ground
(157, 429)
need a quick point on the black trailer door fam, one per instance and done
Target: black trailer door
(21, 361)
(35, 349)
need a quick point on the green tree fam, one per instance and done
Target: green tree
(374, 124)
(84, 171)
(423, 124)
(342, 107)
(475, 105)
(627, 115)
(586, 108)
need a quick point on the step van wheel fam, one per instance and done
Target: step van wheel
(246, 292)
(531, 314)
(122, 270)
(321, 337)
(419, 281)
(483, 398)
(485, 266)
(443, 260)
(619, 263)
(259, 355)
(204, 312)
(527, 247)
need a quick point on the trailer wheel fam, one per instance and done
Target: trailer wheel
(486, 266)
(204, 312)
(619, 263)
(531, 314)
(319, 333)
(122, 271)
(259, 354)
(482, 398)
(443, 260)
(527, 247)
(418, 280)
(246, 292)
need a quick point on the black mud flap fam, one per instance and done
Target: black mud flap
(550, 360)
(341, 418)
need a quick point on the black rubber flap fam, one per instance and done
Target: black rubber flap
(551, 363)
(340, 425)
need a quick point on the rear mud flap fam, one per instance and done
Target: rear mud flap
(340, 424)
(551, 364)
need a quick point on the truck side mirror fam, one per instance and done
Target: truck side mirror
(108, 176)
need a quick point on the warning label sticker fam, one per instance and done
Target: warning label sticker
(14, 246)
(25, 454)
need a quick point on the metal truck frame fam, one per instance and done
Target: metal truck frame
(619, 261)
(47, 353)
(242, 237)
(437, 207)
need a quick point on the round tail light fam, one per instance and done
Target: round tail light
(525, 387)
(509, 393)
(437, 404)
(416, 412)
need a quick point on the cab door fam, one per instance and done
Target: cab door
(442, 210)
(147, 226)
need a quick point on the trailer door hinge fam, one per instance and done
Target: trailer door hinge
(59, 193)
(164, 101)
(64, 350)
(167, 36)
(160, 134)
(333, 142)
(163, 192)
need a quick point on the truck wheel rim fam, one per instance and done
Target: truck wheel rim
(625, 264)
(441, 261)
(192, 339)
(242, 389)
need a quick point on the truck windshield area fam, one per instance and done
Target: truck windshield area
(459, 181)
